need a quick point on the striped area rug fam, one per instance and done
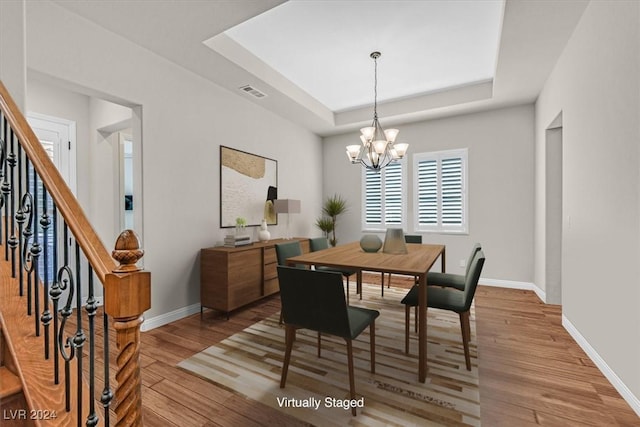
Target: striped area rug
(250, 363)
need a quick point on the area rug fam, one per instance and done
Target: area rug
(317, 389)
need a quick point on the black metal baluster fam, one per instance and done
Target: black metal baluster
(91, 308)
(55, 296)
(65, 281)
(3, 179)
(27, 208)
(107, 395)
(13, 240)
(20, 219)
(36, 249)
(79, 338)
(45, 222)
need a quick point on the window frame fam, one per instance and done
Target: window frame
(382, 226)
(439, 156)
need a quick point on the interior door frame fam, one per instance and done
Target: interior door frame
(70, 174)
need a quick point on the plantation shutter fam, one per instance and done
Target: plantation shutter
(393, 194)
(451, 191)
(373, 197)
(440, 191)
(384, 197)
(427, 184)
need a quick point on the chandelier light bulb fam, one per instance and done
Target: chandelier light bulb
(401, 149)
(391, 134)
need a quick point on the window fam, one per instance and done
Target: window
(384, 197)
(440, 191)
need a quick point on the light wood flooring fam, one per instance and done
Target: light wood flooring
(531, 371)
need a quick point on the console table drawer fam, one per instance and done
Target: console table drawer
(270, 271)
(270, 255)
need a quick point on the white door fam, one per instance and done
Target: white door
(58, 138)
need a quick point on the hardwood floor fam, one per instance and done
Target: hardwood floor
(531, 371)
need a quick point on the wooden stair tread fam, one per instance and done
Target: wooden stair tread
(10, 383)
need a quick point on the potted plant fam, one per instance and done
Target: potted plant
(334, 206)
(241, 225)
(325, 224)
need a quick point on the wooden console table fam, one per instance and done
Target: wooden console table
(233, 277)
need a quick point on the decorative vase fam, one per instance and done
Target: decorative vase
(370, 243)
(394, 242)
(263, 234)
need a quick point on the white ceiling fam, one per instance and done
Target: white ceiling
(438, 58)
(323, 46)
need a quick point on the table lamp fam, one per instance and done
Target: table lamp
(287, 206)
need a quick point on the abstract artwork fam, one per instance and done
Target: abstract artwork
(248, 187)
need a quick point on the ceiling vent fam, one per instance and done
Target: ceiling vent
(253, 91)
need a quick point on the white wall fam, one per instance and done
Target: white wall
(104, 174)
(595, 85)
(185, 119)
(13, 71)
(500, 144)
(46, 99)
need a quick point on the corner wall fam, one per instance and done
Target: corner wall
(596, 86)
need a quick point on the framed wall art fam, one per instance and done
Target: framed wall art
(248, 188)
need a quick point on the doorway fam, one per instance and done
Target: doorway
(553, 197)
(58, 137)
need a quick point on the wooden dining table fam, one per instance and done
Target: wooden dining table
(416, 262)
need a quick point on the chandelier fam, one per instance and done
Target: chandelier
(378, 147)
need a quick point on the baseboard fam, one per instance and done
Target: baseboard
(172, 316)
(527, 286)
(617, 383)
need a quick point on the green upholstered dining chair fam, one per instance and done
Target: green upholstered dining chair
(314, 300)
(453, 280)
(408, 238)
(449, 298)
(320, 243)
(287, 250)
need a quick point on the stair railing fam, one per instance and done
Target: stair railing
(55, 254)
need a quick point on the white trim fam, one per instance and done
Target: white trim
(617, 383)
(527, 286)
(70, 173)
(169, 317)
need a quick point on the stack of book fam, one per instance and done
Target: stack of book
(232, 240)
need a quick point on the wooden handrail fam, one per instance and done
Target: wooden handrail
(68, 206)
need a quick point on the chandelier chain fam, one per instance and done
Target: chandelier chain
(375, 87)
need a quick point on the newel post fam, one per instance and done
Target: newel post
(127, 297)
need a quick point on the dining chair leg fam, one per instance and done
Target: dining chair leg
(416, 319)
(347, 290)
(372, 343)
(289, 337)
(407, 320)
(466, 337)
(389, 281)
(352, 381)
(319, 342)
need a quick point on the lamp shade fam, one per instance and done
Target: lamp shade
(287, 206)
